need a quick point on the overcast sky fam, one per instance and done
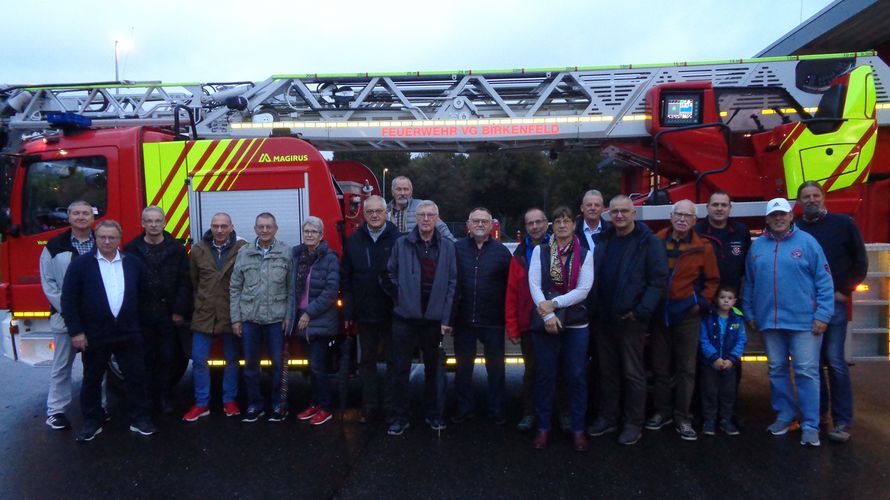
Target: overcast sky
(212, 41)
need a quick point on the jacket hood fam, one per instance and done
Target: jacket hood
(323, 249)
(414, 235)
(640, 230)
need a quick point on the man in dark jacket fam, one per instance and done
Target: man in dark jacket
(100, 297)
(483, 265)
(211, 262)
(730, 239)
(364, 302)
(165, 304)
(422, 277)
(631, 269)
(843, 246)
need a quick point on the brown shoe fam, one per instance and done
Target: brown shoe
(579, 441)
(542, 439)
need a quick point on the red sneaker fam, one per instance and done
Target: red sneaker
(231, 409)
(195, 413)
(320, 417)
(308, 412)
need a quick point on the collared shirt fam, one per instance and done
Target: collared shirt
(675, 247)
(590, 233)
(263, 251)
(400, 217)
(375, 234)
(83, 247)
(113, 278)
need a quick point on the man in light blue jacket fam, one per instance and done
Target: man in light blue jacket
(789, 297)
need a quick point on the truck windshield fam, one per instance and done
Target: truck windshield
(51, 185)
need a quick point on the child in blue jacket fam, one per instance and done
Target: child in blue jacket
(722, 340)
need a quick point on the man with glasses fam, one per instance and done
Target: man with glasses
(260, 292)
(483, 265)
(631, 269)
(403, 208)
(422, 278)
(100, 298)
(364, 303)
(165, 303)
(692, 283)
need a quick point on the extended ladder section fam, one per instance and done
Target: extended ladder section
(439, 111)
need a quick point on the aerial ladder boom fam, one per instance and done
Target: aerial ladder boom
(437, 111)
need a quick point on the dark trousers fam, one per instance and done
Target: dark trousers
(528, 376)
(374, 338)
(674, 358)
(160, 340)
(131, 360)
(318, 372)
(492, 339)
(622, 375)
(569, 349)
(407, 335)
(718, 393)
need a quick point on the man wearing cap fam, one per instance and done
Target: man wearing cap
(789, 297)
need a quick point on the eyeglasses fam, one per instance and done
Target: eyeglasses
(619, 211)
(426, 216)
(311, 231)
(375, 211)
(683, 215)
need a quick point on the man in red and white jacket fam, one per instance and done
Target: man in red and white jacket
(519, 307)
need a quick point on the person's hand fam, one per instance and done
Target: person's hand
(727, 364)
(515, 340)
(79, 342)
(629, 316)
(304, 322)
(177, 318)
(552, 325)
(347, 324)
(546, 307)
(284, 325)
(718, 364)
(840, 297)
(236, 328)
(751, 325)
(446, 330)
(819, 327)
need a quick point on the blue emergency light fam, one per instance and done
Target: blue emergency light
(68, 120)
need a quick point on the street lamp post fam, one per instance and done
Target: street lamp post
(383, 187)
(116, 74)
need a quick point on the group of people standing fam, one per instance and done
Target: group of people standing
(586, 297)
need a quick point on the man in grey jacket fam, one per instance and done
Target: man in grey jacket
(54, 260)
(402, 210)
(422, 278)
(259, 293)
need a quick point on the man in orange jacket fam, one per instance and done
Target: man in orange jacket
(692, 283)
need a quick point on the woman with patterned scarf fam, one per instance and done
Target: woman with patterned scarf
(316, 282)
(560, 275)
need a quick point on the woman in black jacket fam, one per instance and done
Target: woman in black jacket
(316, 281)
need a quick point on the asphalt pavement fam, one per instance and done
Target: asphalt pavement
(224, 458)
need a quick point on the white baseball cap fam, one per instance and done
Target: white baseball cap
(777, 205)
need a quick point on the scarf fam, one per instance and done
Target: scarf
(305, 260)
(565, 276)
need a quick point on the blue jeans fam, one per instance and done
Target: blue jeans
(803, 347)
(254, 336)
(837, 385)
(492, 339)
(201, 344)
(318, 367)
(571, 346)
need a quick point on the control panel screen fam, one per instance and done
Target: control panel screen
(680, 110)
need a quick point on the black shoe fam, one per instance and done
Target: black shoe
(601, 426)
(278, 416)
(657, 421)
(436, 424)
(89, 431)
(397, 428)
(499, 419)
(58, 422)
(143, 426)
(165, 405)
(630, 435)
(252, 415)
